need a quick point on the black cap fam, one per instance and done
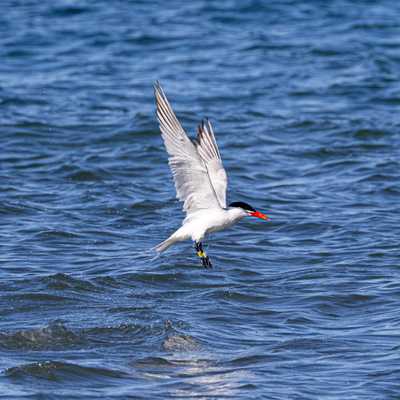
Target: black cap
(241, 204)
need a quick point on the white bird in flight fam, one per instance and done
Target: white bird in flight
(200, 181)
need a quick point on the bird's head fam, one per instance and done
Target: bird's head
(248, 209)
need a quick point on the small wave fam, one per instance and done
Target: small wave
(369, 133)
(7, 208)
(85, 175)
(55, 234)
(165, 334)
(378, 178)
(147, 39)
(154, 278)
(59, 371)
(129, 334)
(302, 344)
(39, 297)
(53, 336)
(153, 362)
(70, 10)
(178, 342)
(65, 282)
(392, 190)
(330, 303)
(248, 360)
(327, 52)
(241, 297)
(113, 330)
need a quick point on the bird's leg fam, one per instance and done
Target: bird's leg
(202, 254)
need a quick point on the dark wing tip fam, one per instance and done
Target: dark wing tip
(206, 139)
(157, 87)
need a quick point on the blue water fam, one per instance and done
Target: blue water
(304, 98)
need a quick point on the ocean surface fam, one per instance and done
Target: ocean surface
(305, 102)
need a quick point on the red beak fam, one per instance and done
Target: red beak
(259, 215)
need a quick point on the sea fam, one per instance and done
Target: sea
(304, 98)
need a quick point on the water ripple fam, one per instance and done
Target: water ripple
(304, 101)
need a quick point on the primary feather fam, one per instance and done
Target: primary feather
(200, 179)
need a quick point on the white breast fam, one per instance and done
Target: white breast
(197, 225)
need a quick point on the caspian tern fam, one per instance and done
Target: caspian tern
(200, 180)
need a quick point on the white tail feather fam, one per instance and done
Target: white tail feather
(165, 244)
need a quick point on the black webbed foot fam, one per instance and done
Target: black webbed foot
(205, 260)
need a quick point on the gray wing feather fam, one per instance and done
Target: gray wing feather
(208, 149)
(191, 175)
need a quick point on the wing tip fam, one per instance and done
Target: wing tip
(158, 90)
(206, 140)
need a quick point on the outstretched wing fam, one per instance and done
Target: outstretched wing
(192, 181)
(208, 149)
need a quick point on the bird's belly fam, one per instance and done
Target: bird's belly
(208, 221)
(219, 225)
